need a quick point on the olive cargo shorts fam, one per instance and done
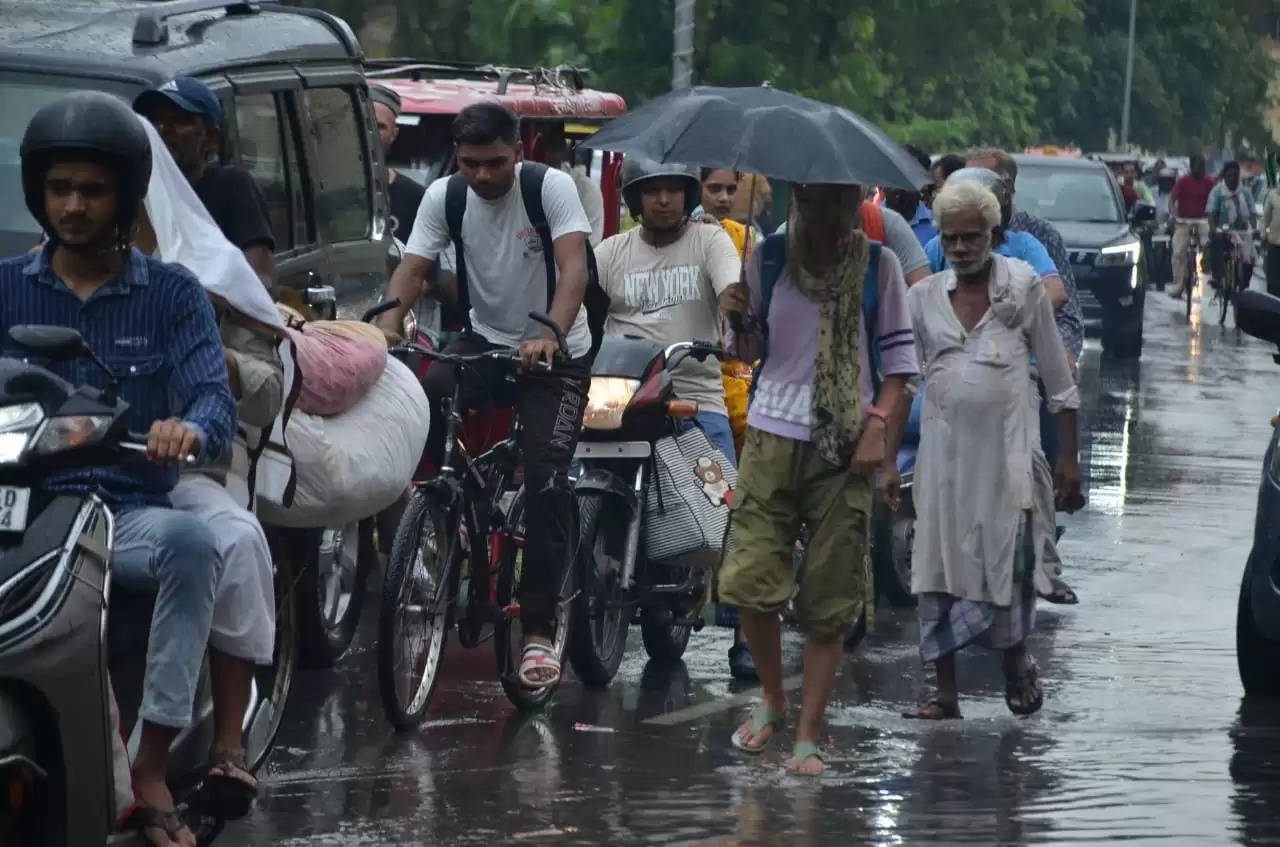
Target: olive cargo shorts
(783, 483)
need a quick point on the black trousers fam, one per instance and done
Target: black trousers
(1272, 268)
(550, 406)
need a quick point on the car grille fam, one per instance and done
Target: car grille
(1082, 257)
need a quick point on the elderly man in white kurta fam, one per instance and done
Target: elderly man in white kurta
(977, 325)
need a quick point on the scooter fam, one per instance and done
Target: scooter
(631, 405)
(59, 660)
(1258, 609)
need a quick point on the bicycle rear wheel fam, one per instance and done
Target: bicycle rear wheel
(508, 634)
(1193, 276)
(1228, 286)
(413, 621)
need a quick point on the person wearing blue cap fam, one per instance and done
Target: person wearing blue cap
(188, 117)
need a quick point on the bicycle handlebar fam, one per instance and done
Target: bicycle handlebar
(379, 309)
(506, 354)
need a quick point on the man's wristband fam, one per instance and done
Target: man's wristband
(877, 412)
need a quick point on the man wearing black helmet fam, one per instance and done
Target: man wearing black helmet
(85, 167)
(669, 281)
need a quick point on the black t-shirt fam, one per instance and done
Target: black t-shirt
(406, 197)
(238, 208)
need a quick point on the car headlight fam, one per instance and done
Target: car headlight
(71, 431)
(17, 423)
(607, 401)
(1119, 255)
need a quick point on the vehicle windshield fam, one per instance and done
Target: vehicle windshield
(1067, 194)
(422, 150)
(23, 95)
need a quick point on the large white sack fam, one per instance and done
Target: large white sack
(357, 463)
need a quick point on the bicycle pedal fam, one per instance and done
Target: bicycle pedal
(512, 611)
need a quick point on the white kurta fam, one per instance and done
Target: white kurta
(973, 477)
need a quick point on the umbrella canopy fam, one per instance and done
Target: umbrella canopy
(762, 130)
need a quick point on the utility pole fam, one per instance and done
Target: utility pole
(1128, 79)
(682, 50)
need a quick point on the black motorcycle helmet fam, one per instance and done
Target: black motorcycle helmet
(100, 128)
(635, 171)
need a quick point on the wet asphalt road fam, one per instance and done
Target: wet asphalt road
(1144, 736)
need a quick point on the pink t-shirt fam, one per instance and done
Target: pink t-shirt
(783, 399)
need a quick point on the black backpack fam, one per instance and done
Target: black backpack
(532, 175)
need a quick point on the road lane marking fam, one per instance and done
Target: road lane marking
(701, 710)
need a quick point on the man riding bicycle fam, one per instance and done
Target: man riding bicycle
(1187, 204)
(1231, 208)
(502, 273)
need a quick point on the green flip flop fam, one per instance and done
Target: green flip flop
(762, 717)
(802, 752)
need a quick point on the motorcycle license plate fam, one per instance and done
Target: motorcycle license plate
(13, 508)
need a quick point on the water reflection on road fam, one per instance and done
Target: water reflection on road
(1144, 736)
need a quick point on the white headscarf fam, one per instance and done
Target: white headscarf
(187, 235)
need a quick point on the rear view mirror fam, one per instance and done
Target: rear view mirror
(58, 343)
(1143, 213)
(1258, 314)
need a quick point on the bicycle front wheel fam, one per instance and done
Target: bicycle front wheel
(508, 635)
(1193, 276)
(413, 622)
(1228, 287)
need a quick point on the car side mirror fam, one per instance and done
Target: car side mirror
(1143, 213)
(1258, 314)
(58, 343)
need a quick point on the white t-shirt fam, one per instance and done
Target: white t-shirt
(506, 273)
(669, 294)
(592, 202)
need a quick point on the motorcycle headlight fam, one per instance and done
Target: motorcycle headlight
(607, 401)
(17, 423)
(70, 431)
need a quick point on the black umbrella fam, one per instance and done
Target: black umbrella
(766, 131)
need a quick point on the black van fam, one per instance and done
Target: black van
(297, 117)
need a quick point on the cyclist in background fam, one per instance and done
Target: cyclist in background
(1231, 208)
(1187, 204)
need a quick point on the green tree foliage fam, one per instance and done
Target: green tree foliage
(940, 73)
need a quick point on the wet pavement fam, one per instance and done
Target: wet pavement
(1144, 736)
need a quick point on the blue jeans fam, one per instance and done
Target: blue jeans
(173, 555)
(716, 427)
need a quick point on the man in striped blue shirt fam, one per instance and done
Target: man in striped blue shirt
(85, 165)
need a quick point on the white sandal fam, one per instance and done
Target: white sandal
(537, 657)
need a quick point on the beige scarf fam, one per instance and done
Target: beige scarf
(837, 393)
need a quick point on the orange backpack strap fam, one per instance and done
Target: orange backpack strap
(872, 221)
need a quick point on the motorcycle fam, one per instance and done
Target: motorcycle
(67, 640)
(631, 405)
(1258, 608)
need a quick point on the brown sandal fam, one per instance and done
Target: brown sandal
(936, 709)
(228, 795)
(143, 818)
(1022, 683)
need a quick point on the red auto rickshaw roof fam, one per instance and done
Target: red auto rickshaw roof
(450, 96)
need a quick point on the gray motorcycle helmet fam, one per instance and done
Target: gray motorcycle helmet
(985, 177)
(636, 170)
